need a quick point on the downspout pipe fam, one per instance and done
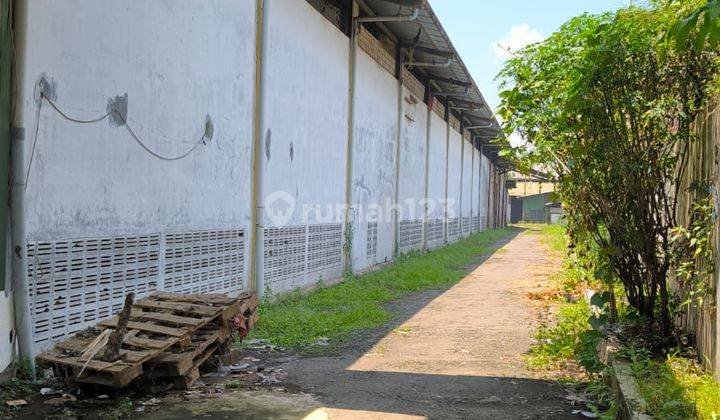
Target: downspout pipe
(447, 63)
(476, 127)
(21, 295)
(398, 139)
(256, 275)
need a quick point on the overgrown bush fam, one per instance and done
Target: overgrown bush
(607, 103)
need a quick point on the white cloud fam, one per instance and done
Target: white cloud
(519, 36)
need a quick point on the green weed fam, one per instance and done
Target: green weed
(298, 319)
(675, 388)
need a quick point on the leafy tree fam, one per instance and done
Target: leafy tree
(608, 104)
(708, 17)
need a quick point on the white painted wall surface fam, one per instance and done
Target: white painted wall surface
(305, 125)
(178, 62)
(412, 158)
(436, 176)
(454, 174)
(7, 334)
(467, 182)
(484, 190)
(476, 185)
(306, 106)
(376, 119)
(173, 61)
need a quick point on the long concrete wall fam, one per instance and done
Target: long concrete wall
(413, 137)
(436, 181)
(109, 210)
(454, 185)
(104, 216)
(477, 205)
(484, 192)
(376, 120)
(467, 187)
(305, 129)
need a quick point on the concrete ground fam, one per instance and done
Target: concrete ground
(456, 353)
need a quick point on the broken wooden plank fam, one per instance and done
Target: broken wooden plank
(147, 326)
(115, 339)
(210, 298)
(188, 308)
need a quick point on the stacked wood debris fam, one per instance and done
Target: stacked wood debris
(164, 337)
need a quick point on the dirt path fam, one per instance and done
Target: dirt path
(450, 354)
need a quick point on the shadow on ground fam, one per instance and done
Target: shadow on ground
(426, 375)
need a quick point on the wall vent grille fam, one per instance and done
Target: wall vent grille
(335, 11)
(324, 246)
(205, 261)
(466, 225)
(73, 284)
(410, 234)
(453, 229)
(475, 223)
(372, 238)
(435, 232)
(285, 253)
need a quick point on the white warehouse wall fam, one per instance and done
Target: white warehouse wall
(305, 130)
(476, 191)
(467, 187)
(105, 217)
(484, 191)
(454, 184)
(436, 181)
(376, 119)
(93, 192)
(412, 171)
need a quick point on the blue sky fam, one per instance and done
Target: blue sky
(476, 27)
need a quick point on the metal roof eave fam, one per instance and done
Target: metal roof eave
(432, 35)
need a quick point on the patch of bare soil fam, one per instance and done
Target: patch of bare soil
(455, 353)
(449, 354)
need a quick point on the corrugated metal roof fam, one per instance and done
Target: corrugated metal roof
(429, 33)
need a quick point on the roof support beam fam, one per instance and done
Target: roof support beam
(451, 81)
(409, 3)
(426, 50)
(467, 104)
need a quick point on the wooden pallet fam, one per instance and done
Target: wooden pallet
(179, 360)
(156, 324)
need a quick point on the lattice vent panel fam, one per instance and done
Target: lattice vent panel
(410, 234)
(334, 10)
(453, 228)
(285, 252)
(205, 261)
(466, 225)
(324, 246)
(475, 223)
(74, 284)
(483, 223)
(375, 49)
(435, 232)
(372, 238)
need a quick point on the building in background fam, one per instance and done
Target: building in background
(530, 184)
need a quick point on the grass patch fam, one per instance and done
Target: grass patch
(298, 319)
(675, 388)
(553, 235)
(570, 342)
